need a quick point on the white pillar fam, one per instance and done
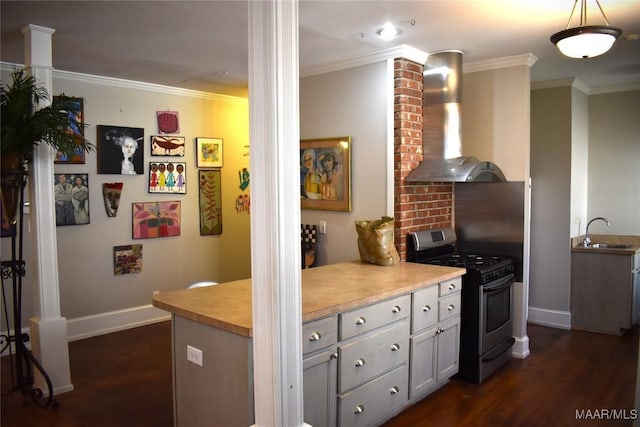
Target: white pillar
(275, 216)
(48, 329)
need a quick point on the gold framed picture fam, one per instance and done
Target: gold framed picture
(325, 174)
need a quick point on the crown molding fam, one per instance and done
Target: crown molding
(132, 84)
(402, 51)
(527, 59)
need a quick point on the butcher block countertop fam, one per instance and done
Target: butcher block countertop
(326, 290)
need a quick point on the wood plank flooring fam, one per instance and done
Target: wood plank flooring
(124, 379)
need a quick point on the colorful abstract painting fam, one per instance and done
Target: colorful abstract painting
(127, 259)
(152, 220)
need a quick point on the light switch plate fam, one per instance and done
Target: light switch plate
(194, 355)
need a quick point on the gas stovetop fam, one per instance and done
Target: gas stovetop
(468, 260)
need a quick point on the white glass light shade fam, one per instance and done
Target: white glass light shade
(586, 42)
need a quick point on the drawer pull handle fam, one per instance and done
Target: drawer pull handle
(396, 309)
(395, 347)
(360, 362)
(315, 336)
(426, 308)
(452, 286)
(361, 321)
(359, 409)
(450, 307)
(394, 390)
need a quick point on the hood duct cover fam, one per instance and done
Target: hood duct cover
(441, 150)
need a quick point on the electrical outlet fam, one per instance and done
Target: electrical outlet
(194, 355)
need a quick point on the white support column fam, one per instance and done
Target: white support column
(275, 216)
(48, 329)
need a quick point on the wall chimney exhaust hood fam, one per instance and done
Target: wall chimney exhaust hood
(442, 97)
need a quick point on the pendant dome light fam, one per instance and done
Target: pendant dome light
(585, 41)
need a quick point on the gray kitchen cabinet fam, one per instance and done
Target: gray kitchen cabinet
(435, 339)
(320, 371)
(604, 291)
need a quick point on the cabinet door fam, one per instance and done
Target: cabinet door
(423, 362)
(448, 349)
(635, 283)
(320, 376)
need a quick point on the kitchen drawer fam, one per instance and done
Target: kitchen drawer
(319, 334)
(449, 307)
(373, 316)
(366, 358)
(368, 404)
(450, 286)
(425, 308)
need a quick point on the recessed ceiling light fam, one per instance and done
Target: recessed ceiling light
(388, 31)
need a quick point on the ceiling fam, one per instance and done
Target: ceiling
(203, 45)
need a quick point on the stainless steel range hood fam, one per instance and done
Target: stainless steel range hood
(442, 95)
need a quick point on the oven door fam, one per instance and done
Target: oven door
(495, 313)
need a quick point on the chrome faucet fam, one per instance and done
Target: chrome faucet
(587, 240)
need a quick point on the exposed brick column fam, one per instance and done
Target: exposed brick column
(416, 206)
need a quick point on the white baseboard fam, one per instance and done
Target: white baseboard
(113, 321)
(552, 318)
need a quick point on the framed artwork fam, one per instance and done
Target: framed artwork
(120, 150)
(168, 121)
(71, 194)
(78, 156)
(210, 200)
(168, 177)
(167, 145)
(325, 174)
(152, 220)
(127, 259)
(209, 152)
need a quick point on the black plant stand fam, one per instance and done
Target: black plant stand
(23, 361)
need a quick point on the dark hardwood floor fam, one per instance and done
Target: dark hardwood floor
(124, 379)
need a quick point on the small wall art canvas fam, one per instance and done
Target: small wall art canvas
(152, 220)
(162, 145)
(127, 259)
(168, 121)
(168, 177)
(210, 198)
(78, 131)
(325, 174)
(71, 195)
(120, 150)
(209, 152)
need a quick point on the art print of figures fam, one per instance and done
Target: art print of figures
(152, 220)
(167, 145)
(120, 150)
(71, 193)
(210, 197)
(209, 152)
(168, 177)
(111, 194)
(78, 156)
(325, 174)
(243, 204)
(127, 259)
(168, 121)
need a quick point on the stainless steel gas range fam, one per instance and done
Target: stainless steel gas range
(486, 314)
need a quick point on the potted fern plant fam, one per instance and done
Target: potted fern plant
(23, 128)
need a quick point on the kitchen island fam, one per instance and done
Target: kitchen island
(360, 322)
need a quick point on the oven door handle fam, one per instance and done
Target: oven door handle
(499, 285)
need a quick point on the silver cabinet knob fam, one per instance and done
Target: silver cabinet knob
(315, 336)
(394, 390)
(396, 309)
(452, 286)
(361, 321)
(360, 362)
(395, 347)
(426, 308)
(450, 307)
(359, 409)
(334, 355)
